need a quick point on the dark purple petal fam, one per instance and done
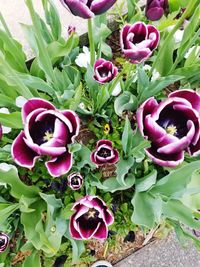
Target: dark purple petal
(138, 56)
(155, 13)
(33, 104)
(194, 150)
(60, 165)
(22, 154)
(100, 6)
(171, 160)
(73, 232)
(154, 36)
(75, 181)
(78, 8)
(146, 108)
(4, 242)
(104, 142)
(102, 232)
(104, 71)
(190, 95)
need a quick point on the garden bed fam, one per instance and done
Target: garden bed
(103, 156)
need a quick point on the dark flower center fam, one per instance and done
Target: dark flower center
(89, 2)
(104, 152)
(174, 122)
(90, 219)
(42, 131)
(2, 242)
(103, 72)
(75, 180)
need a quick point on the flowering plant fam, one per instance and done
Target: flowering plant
(99, 142)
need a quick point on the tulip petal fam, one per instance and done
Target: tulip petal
(194, 150)
(78, 8)
(137, 56)
(154, 36)
(155, 13)
(145, 109)
(172, 160)
(102, 232)
(33, 104)
(60, 165)
(190, 95)
(180, 144)
(22, 154)
(73, 232)
(75, 121)
(100, 6)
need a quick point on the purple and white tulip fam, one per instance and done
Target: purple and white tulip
(75, 181)
(155, 9)
(4, 241)
(88, 8)
(91, 218)
(104, 153)
(172, 126)
(47, 132)
(138, 41)
(104, 71)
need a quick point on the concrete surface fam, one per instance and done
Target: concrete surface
(164, 253)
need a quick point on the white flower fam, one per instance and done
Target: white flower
(117, 90)
(83, 59)
(147, 67)
(178, 36)
(20, 101)
(4, 128)
(6, 167)
(82, 105)
(155, 75)
(197, 51)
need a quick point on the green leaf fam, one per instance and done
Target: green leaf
(147, 209)
(32, 260)
(143, 80)
(156, 86)
(125, 101)
(6, 210)
(174, 209)
(127, 137)
(145, 183)
(83, 158)
(77, 247)
(12, 120)
(176, 180)
(18, 188)
(123, 166)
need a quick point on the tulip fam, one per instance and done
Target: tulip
(104, 71)
(75, 181)
(88, 8)
(104, 153)
(91, 219)
(71, 29)
(138, 41)
(4, 241)
(155, 9)
(47, 132)
(172, 126)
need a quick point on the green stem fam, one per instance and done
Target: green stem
(91, 42)
(189, 9)
(5, 25)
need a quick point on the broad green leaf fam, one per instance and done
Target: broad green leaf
(123, 167)
(175, 210)
(143, 80)
(127, 137)
(32, 260)
(18, 188)
(176, 180)
(145, 183)
(83, 158)
(6, 210)
(147, 209)
(125, 101)
(12, 120)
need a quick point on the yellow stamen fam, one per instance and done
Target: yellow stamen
(171, 129)
(106, 128)
(47, 136)
(91, 213)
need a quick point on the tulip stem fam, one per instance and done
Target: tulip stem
(91, 42)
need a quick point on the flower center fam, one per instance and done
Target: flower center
(171, 129)
(47, 136)
(2, 242)
(104, 152)
(92, 213)
(75, 180)
(103, 72)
